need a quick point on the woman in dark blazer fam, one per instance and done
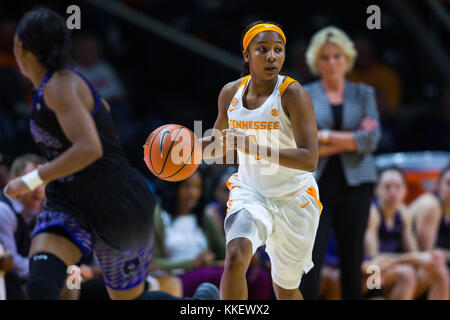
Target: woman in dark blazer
(347, 119)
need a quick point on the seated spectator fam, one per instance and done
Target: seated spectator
(431, 212)
(190, 244)
(330, 278)
(17, 220)
(390, 243)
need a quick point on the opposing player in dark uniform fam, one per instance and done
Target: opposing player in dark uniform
(95, 199)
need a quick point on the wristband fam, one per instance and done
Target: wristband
(32, 179)
(325, 136)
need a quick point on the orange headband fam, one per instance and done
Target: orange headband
(253, 31)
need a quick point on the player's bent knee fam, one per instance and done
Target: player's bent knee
(46, 278)
(239, 253)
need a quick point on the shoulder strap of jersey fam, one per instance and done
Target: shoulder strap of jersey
(244, 81)
(286, 82)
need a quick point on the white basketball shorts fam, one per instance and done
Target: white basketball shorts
(287, 226)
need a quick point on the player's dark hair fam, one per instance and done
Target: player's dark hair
(391, 168)
(168, 193)
(43, 32)
(245, 70)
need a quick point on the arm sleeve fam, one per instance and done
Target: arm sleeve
(8, 225)
(367, 141)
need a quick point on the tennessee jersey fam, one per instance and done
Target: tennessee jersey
(267, 125)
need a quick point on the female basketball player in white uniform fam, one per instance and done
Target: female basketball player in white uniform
(270, 120)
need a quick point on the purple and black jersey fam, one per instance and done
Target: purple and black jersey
(50, 138)
(106, 207)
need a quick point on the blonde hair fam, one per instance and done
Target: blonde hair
(334, 35)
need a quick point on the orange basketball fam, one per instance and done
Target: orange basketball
(172, 152)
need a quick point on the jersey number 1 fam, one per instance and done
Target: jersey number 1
(253, 138)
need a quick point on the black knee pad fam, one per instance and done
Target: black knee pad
(47, 275)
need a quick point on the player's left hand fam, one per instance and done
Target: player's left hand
(16, 188)
(235, 139)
